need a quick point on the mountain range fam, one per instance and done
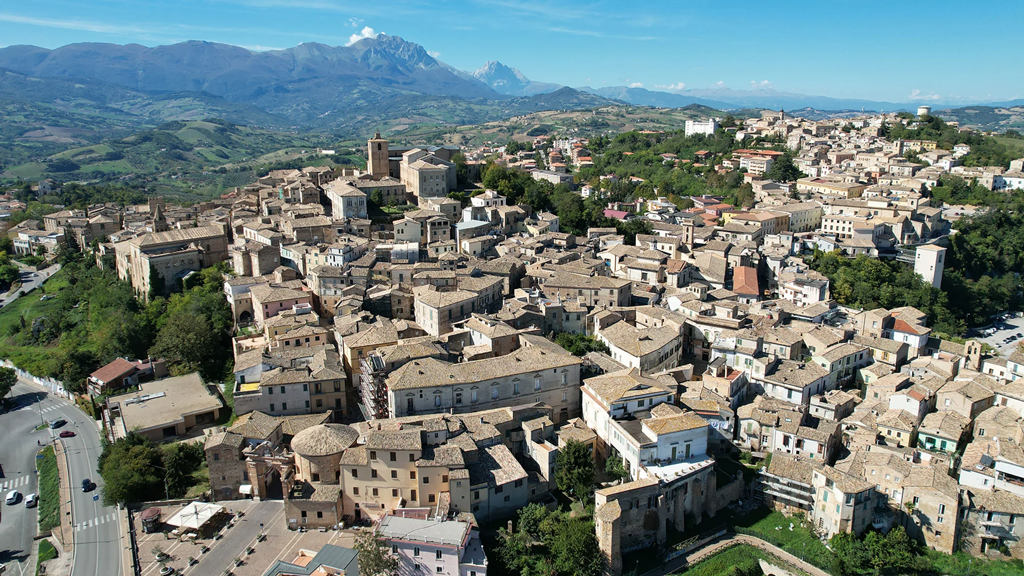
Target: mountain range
(376, 82)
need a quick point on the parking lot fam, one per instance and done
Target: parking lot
(1004, 336)
(231, 538)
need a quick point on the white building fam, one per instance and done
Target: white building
(701, 127)
(928, 263)
(449, 548)
(635, 419)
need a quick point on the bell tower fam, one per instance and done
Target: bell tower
(377, 157)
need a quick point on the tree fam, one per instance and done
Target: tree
(377, 198)
(783, 169)
(574, 470)
(375, 557)
(130, 470)
(848, 555)
(615, 468)
(180, 461)
(186, 341)
(8, 378)
(575, 548)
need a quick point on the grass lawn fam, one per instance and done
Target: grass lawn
(773, 527)
(200, 482)
(49, 491)
(46, 552)
(739, 557)
(958, 565)
(29, 306)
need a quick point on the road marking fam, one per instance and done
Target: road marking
(14, 483)
(95, 522)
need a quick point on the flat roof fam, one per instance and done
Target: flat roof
(165, 402)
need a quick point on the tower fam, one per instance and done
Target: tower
(159, 222)
(377, 157)
(928, 263)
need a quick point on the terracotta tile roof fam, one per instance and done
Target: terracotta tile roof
(116, 369)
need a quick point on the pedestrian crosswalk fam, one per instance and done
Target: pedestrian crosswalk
(13, 483)
(37, 408)
(112, 517)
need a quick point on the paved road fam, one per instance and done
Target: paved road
(1005, 329)
(97, 547)
(17, 460)
(29, 281)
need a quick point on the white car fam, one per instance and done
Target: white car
(13, 496)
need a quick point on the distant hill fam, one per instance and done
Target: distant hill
(644, 97)
(510, 81)
(989, 118)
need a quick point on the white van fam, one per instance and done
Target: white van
(12, 497)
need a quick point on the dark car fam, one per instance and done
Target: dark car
(58, 423)
(67, 434)
(87, 485)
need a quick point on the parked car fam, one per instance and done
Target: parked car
(58, 423)
(13, 496)
(31, 501)
(67, 434)
(87, 485)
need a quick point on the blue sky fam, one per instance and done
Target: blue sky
(909, 51)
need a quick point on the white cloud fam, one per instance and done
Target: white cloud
(636, 85)
(718, 84)
(677, 87)
(83, 25)
(366, 32)
(762, 85)
(355, 22)
(434, 53)
(916, 94)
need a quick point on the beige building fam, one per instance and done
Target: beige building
(537, 372)
(163, 409)
(166, 257)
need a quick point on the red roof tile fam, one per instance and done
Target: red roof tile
(116, 369)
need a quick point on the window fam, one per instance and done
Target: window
(412, 475)
(373, 473)
(494, 393)
(393, 456)
(307, 403)
(305, 387)
(303, 513)
(216, 457)
(438, 554)
(282, 389)
(942, 508)
(515, 388)
(426, 479)
(316, 477)
(444, 478)
(394, 548)
(416, 551)
(437, 401)
(440, 569)
(284, 405)
(394, 474)
(355, 473)
(319, 514)
(412, 457)
(430, 498)
(499, 489)
(319, 403)
(394, 492)
(374, 491)
(271, 407)
(373, 454)
(355, 491)
(536, 383)
(270, 390)
(412, 494)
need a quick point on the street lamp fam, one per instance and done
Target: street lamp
(167, 490)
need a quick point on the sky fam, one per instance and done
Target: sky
(909, 51)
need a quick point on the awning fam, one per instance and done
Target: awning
(245, 489)
(195, 515)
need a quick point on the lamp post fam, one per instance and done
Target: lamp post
(167, 489)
